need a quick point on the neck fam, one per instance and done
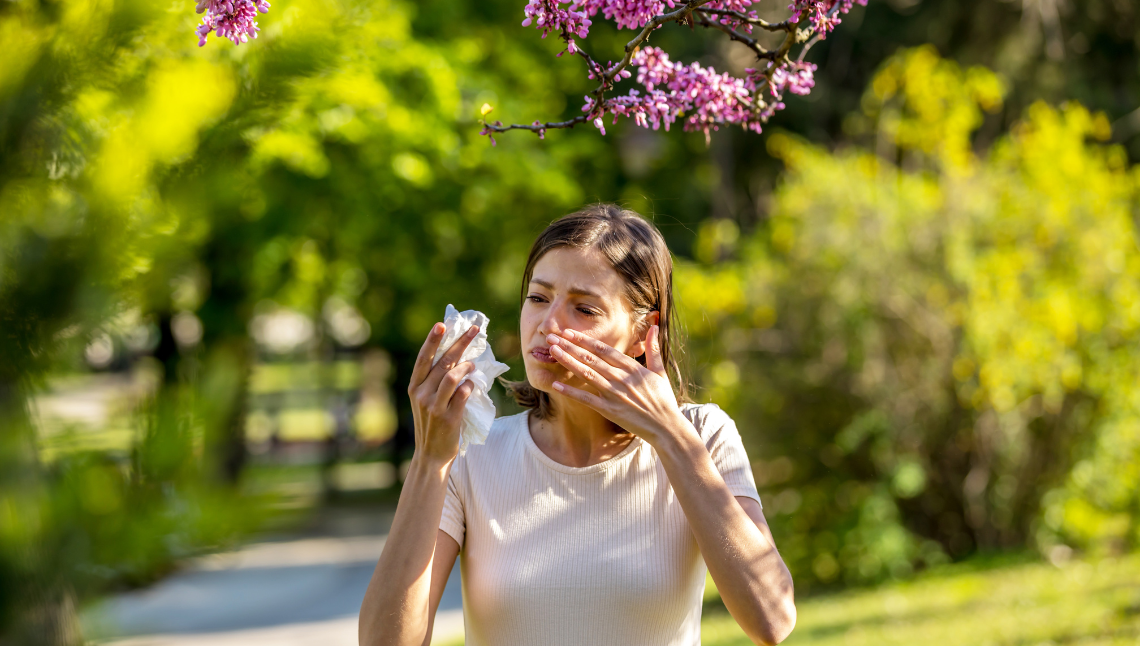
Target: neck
(577, 435)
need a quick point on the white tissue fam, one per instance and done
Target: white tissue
(480, 411)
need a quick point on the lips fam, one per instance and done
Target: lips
(542, 355)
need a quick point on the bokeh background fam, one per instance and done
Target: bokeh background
(918, 292)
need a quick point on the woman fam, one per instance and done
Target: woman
(585, 519)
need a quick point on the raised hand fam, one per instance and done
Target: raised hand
(438, 398)
(637, 398)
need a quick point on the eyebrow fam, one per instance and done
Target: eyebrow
(581, 291)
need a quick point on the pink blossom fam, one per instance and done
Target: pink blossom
(550, 15)
(796, 77)
(705, 98)
(233, 19)
(700, 97)
(822, 15)
(573, 16)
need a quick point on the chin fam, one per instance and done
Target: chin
(542, 378)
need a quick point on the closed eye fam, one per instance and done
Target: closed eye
(587, 312)
(535, 298)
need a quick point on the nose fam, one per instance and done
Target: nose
(552, 322)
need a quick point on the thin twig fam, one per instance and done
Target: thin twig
(751, 43)
(794, 35)
(807, 47)
(755, 22)
(656, 22)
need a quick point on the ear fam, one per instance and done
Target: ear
(638, 347)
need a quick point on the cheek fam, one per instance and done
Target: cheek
(612, 334)
(528, 323)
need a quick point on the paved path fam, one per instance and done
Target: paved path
(293, 591)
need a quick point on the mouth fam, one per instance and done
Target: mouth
(542, 355)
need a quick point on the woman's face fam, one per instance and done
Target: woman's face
(573, 289)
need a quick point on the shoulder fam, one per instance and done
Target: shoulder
(709, 420)
(507, 427)
(505, 434)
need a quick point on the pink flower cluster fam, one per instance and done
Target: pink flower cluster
(233, 19)
(822, 15)
(795, 77)
(572, 17)
(629, 14)
(569, 21)
(703, 97)
(699, 96)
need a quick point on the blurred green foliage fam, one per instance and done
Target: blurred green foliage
(143, 176)
(928, 335)
(936, 350)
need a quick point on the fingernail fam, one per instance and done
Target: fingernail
(569, 334)
(556, 351)
(472, 331)
(437, 329)
(552, 339)
(558, 386)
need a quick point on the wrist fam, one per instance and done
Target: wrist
(428, 467)
(678, 441)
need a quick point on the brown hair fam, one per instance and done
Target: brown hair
(637, 251)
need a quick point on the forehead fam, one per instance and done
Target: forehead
(567, 268)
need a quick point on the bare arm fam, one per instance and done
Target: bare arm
(406, 587)
(402, 597)
(731, 532)
(734, 539)
(446, 551)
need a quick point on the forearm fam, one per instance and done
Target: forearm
(750, 575)
(396, 605)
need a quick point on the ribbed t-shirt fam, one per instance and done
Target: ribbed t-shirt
(553, 555)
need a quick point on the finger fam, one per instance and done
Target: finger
(450, 358)
(451, 382)
(589, 399)
(586, 373)
(427, 352)
(653, 359)
(462, 394)
(602, 350)
(585, 357)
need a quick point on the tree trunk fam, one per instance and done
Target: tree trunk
(48, 616)
(41, 610)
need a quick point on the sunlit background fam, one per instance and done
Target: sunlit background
(918, 293)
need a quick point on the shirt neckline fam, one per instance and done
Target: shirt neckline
(546, 460)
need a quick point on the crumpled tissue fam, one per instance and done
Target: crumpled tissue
(480, 411)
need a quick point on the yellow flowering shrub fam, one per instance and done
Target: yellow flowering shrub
(953, 358)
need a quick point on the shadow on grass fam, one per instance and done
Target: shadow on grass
(713, 607)
(1081, 637)
(942, 610)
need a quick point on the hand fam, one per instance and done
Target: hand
(637, 398)
(438, 398)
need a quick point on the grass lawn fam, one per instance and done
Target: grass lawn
(979, 603)
(984, 602)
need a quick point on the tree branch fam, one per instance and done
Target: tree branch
(750, 42)
(761, 107)
(608, 76)
(755, 22)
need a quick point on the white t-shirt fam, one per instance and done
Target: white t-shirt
(597, 555)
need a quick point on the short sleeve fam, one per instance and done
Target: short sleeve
(726, 448)
(453, 520)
